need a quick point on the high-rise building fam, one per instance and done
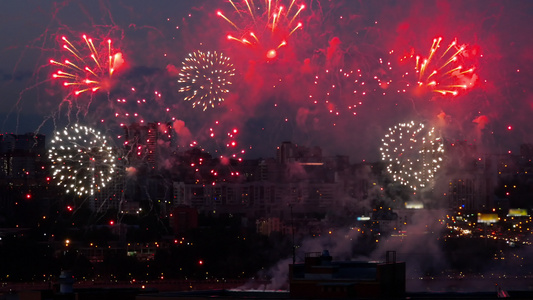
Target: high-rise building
(112, 195)
(299, 180)
(144, 144)
(23, 173)
(469, 177)
(22, 156)
(286, 153)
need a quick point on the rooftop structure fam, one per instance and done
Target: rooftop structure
(321, 277)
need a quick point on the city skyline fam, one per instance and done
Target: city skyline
(270, 127)
(354, 210)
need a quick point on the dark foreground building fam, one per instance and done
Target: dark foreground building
(321, 277)
(317, 278)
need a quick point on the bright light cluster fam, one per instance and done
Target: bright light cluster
(89, 69)
(342, 90)
(205, 77)
(137, 109)
(443, 70)
(264, 26)
(413, 154)
(82, 162)
(227, 145)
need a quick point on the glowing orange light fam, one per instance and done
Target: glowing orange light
(271, 54)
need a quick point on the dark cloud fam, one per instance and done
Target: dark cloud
(21, 76)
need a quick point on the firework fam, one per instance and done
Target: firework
(214, 156)
(227, 146)
(134, 111)
(205, 77)
(221, 140)
(135, 108)
(226, 149)
(341, 91)
(264, 25)
(82, 161)
(88, 69)
(413, 154)
(443, 70)
(144, 143)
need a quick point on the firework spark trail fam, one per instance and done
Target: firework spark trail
(443, 70)
(228, 147)
(137, 117)
(342, 91)
(264, 26)
(82, 161)
(89, 69)
(221, 140)
(413, 154)
(205, 77)
(213, 157)
(42, 43)
(137, 109)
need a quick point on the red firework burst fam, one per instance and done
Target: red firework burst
(264, 26)
(87, 69)
(443, 70)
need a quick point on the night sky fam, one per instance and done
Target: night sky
(273, 99)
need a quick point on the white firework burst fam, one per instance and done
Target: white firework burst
(413, 154)
(205, 77)
(82, 161)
